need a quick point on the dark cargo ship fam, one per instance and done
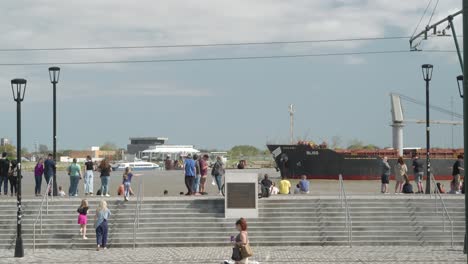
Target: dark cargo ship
(318, 162)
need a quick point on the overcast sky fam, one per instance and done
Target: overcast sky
(218, 104)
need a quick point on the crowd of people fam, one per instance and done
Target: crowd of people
(269, 187)
(46, 168)
(403, 183)
(196, 174)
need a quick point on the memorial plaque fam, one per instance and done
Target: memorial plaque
(241, 195)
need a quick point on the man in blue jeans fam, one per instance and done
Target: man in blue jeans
(189, 165)
(4, 169)
(49, 169)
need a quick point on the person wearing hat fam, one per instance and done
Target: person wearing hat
(190, 173)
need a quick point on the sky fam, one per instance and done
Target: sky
(219, 104)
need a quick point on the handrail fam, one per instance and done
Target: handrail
(344, 201)
(45, 198)
(136, 221)
(445, 210)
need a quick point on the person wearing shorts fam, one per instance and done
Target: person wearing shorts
(418, 173)
(385, 175)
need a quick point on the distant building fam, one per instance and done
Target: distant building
(138, 144)
(95, 153)
(4, 142)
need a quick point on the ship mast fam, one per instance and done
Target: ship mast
(291, 122)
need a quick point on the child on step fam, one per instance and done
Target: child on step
(83, 217)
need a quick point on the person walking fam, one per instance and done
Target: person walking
(13, 177)
(218, 172)
(241, 242)
(49, 170)
(401, 171)
(74, 171)
(385, 178)
(4, 173)
(38, 172)
(190, 171)
(127, 181)
(83, 217)
(105, 170)
(196, 182)
(89, 176)
(101, 217)
(204, 173)
(418, 173)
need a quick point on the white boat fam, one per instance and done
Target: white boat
(136, 166)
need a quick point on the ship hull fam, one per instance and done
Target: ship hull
(294, 161)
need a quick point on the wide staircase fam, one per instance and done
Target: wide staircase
(293, 220)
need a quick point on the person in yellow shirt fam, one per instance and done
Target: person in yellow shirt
(284, 186)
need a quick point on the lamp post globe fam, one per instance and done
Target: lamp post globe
(54, 76)
(18, 88)
(427, 76)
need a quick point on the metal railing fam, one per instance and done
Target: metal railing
(345, 205)
(136, 221)
(445, 212)
(45, 199)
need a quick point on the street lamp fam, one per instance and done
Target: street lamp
(54, 74)
(460, 85)
(18, 88)
(427, 76)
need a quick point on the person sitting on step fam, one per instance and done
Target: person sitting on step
(407, 187)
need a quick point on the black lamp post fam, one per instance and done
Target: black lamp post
(427, 76)
(18, 87)
(54, 74)
(460, 85)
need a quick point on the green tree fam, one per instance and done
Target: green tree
(43, 149)
(109, 146)
(355, 144)
(9, 149)
(336, 142)
(243, 150)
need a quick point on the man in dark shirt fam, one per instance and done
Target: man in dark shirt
(4, 169)
(49, 168)
(418, 173)
(266, 184)
(457, 166)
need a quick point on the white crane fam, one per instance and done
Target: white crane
(291, 122)
(398, 120)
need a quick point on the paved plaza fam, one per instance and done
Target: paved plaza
(270, 255)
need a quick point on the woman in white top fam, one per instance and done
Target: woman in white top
(400, 172)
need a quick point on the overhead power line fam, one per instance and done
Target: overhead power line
(422, 17)
(221, 58)
(205, 45)
(433, 12)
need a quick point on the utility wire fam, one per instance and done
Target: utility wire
(221, 58)
(205, 45)
(422, 17)
(433, 12)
